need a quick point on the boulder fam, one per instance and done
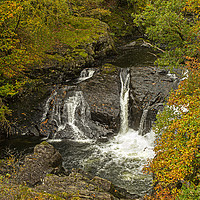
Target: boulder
(45, 160)
(102, 93)
(81, 185)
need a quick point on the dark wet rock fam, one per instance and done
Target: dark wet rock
(162, 72)
(150, 88)
(102, 94)
(67, 115)
(95, 103)
(45, 160)
(27, 109)
(34, 130)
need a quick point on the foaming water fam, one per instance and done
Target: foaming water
(86, 140)
(131, 145)
(124, 98)
(121, 160)
(54, 140)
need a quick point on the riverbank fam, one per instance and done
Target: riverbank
(41, 176)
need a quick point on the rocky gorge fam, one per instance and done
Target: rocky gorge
(89, 107)
(44, 173)
(77, 96)
(149, 87)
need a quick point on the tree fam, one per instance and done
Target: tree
(177, 149)
(13, 55)
(172, 25)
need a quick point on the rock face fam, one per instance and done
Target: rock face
(149, 89)
(81, 185)
(43, 171)
(28, 110)
(89, 108)
(102, 93)
(67, 115)
(45, 160)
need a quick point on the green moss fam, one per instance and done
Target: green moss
(82, 53)
(108, 68)
(49, 175)
(44, 143)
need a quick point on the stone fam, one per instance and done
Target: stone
(80, 185)
(150, 88)
(102, 93)
(45, 160)
(103, 183)
(76, 185)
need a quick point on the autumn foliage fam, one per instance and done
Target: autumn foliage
(174, 27)
(28, 29)
(177, 160)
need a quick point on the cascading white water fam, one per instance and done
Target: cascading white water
(70, 107)
(72, 103)
(86, 74)
(124, 98)
(47, 105)
(67, 109)
(122, 158)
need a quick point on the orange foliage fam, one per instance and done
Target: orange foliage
(178, 138)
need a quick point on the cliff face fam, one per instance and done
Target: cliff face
(61, 63)
(66, 57)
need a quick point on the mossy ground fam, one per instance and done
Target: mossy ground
(108, 68)
(11, 189)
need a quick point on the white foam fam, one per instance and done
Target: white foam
(130, 145)
(54, 140)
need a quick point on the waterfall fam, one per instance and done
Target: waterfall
(47, 105)
(86, 74)
(142, 122)
(66, 113)
(124, 99)
(70, 107)
(121, 158)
